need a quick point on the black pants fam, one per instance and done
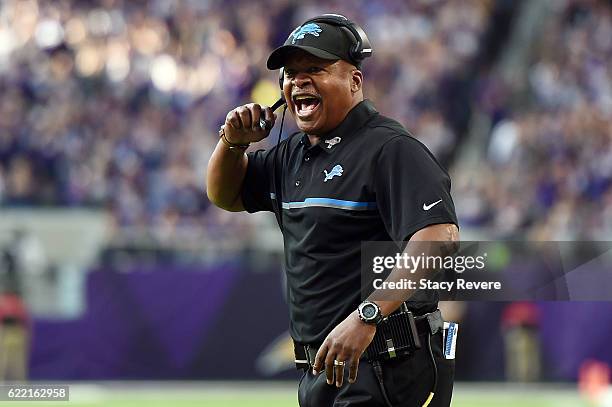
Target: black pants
(407, 383)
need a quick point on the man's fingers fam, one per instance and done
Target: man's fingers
(250, 117)
(353, 368)
(339, 372)
(233, 119)
(269, 115)
(320, 359)
(329, 367)
(343, 359)
(245, 117)
(255, 116)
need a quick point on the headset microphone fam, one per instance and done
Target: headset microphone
(265, 124)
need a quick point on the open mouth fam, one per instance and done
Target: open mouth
(306, 104)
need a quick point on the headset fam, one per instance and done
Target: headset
(358, 52)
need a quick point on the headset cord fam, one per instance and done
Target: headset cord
(379, 375)
(435, 372)
(277, 190)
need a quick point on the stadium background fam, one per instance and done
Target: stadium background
(109, 111)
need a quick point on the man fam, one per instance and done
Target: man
(350, 175)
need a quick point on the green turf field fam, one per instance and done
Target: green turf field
(225, 394)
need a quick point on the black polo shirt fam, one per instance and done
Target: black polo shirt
(367, 180)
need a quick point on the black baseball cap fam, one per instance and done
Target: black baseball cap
(320, 39)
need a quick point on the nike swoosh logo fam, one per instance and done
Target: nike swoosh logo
(428, 207)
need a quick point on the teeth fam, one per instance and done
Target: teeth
(303, 97)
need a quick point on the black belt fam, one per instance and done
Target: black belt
(427, 324)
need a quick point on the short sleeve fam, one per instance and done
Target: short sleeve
(413, 191)
(257, 184)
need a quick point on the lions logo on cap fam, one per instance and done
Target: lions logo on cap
(300, 32)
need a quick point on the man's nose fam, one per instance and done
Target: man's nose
(301, 79)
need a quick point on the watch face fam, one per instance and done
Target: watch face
(368, 311)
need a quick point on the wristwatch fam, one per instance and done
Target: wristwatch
(369, 312)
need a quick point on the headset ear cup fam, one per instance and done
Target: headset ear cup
(362, 48)
(355, 52)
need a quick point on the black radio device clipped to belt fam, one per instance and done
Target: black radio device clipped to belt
(396, 336)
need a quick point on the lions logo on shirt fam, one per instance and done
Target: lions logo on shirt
(310, 28)
(336, 171)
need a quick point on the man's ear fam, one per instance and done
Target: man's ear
(356, 80)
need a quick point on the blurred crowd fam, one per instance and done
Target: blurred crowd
(549, 161)
(117, 104)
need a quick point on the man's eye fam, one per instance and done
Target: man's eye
(314, 69)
